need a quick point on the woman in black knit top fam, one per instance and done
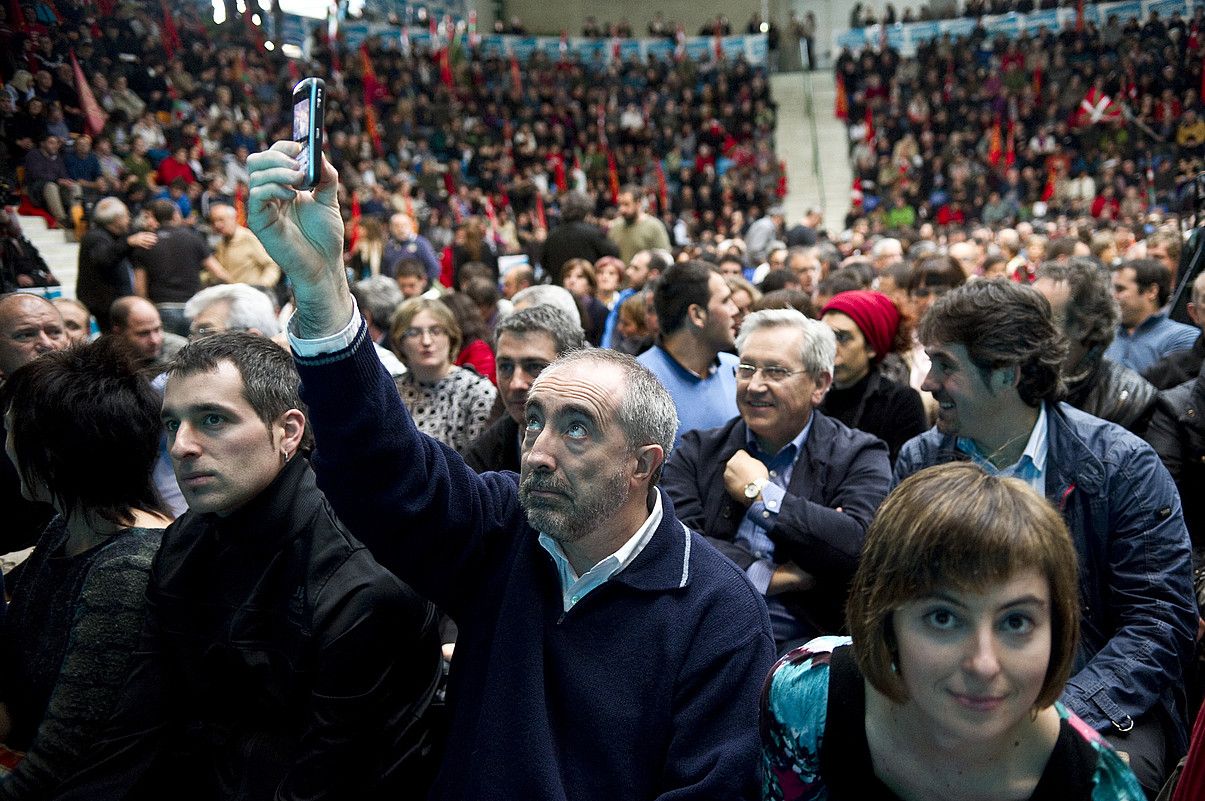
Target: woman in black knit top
(84, 434)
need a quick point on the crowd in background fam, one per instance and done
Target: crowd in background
(1102, 121)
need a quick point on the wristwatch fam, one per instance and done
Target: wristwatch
(754, 488)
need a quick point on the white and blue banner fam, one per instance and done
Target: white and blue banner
(905, 37)
(587, 50)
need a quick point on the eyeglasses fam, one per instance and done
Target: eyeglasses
(435, 332)
(772, 374)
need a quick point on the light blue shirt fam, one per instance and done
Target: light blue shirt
(763, 513)
(573, 587)
(1030, 468)
(702, 402)
(1154, 338)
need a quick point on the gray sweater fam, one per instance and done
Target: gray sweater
(69, 636)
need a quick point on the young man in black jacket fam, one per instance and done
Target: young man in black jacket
(279, 661)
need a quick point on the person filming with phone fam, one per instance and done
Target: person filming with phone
(604, 651)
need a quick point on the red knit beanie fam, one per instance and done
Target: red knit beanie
(873, 312)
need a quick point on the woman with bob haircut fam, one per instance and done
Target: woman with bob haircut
(83, 434)
(964, 619)
(452, 404)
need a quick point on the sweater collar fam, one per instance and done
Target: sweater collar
(664, 564)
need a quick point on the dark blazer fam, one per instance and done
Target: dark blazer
(839, 467)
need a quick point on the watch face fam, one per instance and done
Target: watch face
(752, 489)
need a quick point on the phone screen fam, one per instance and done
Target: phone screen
(301, 120)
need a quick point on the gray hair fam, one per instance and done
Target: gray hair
(647, 414)
(575, 206)
(544, 319)
(819, 343)
(249, 307)
(886, 247)
(107, 210)
(380, 296)
(556, 296)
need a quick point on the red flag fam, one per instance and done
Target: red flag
(869, 122)
(445, 68)
(662, 187)
(516, 75)
(781, 189)
(995, 149)
(372, 88)
(1096, 107)
(1010, 149)
(1048, 190)
(842, 110)
(169, 36)
(373, 130)
(240, 204)
(354, 228)
(558, 172)
(613, 176)
(94, 115)
(543, 222)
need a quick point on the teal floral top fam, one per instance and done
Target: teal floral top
(814, 741)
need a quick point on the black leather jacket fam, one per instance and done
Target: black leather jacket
(1115, 393)
(280, 661)
(1177, 433)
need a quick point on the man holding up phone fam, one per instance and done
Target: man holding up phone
(604, 650)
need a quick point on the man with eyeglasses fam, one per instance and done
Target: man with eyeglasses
(783, 490)
(524, 344)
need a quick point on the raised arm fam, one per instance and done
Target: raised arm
(303, 233)
(425, 515)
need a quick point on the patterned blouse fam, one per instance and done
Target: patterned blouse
(814, 744)
(454, 410)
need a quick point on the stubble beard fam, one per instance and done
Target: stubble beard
(571, 517)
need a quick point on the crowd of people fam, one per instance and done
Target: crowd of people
(1101, 121)
(447, 480)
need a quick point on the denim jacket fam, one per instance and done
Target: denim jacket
(1138, 612)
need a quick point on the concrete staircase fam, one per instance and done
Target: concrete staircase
(814, 144)
(61, 256)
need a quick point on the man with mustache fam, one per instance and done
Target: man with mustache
(604, 650)
(996, 356)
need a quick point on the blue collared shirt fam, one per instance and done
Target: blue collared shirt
(1030, 468)
(763, 513)
(573, 587)
(1154, 338)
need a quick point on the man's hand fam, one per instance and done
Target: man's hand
(739, 472)
(143, 239)
(302, 231)
(790, 577)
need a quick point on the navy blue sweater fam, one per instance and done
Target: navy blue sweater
(647, 689)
